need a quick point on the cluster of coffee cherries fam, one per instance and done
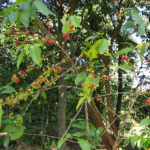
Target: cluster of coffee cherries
(22, 74)
(148, 100)
(106, 77)
(48, 77)
(123, 58)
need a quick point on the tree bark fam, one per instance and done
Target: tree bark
(62, 110)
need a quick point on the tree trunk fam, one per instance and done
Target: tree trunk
(107, 139)
(62, 108)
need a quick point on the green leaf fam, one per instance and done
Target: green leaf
(20, 58)
(10, 128)
(20, 47)
(96, 81)
(80, 78)
(6, 142)
(44, 95)
(94, 46)
(63, 20)
(75, 21)
(60, 142)
(36, 96)
(86, 54)
(126, 142)
(80, 101)
(1, 113)
(18, 2)
(134, 139)
(79, 134)
(124, 51)
(13, 16)
(33, 13)
(26, 14)
(94, 54)
(8, 121)
(145, 122)
(99, 131)
(84, 144)
(16, 135)
(42, 8)
(90, 37)
(141, 28)
(24, 22)
(89, 99)
(142, 50)
(126, 68)
(142, 141)
(65, 28)
(135, 14)
(35, 53)
(103, 46)
(127, 25)
(4, 21)
(21, 128)
(8, 89)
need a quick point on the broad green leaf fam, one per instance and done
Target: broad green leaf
(1, 113)
(142, 50)
(86, 54)
(135, 14)
(124, 51)
(103, 46)
(4, 21)
(96, 81)
(21, 128)
(94, 46)
(134, 139)
(20, 58)
(141, 28)
(65, 28)
(33, 13)
(24, 22)
(79, 126)
(86, 89)
(84, 144)
(75, 21)
(16, 135)
(80, 78)
(36, 96)
(6, 142)
(42, 8)
(89, 99)
(90, 37)
(126, 67)
(127, 25)
(68, 76)
(44, 95)
(35, 54)
(142, 141)
(80, 101)
(60, 142)
(8, 89)
(13, 16)
(26, 14)
(63, 20)
(18, 2)
(145, 122)
(10, 128)
(99, 131)
(20, 47)
(8, 121)
(126, 142)
(94, 54)
(79, 134)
